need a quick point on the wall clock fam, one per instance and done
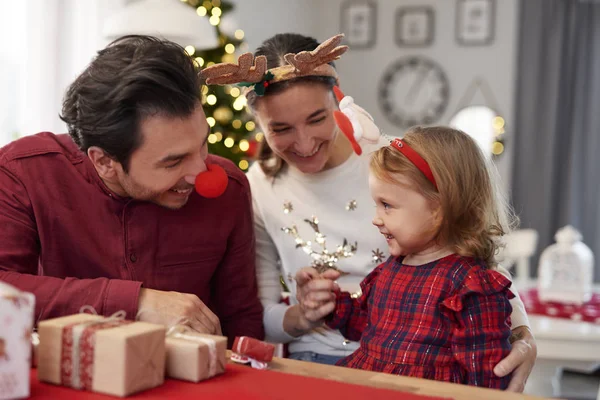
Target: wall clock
(414, 91)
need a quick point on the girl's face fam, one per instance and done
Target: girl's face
(299, 126)
(408, 220)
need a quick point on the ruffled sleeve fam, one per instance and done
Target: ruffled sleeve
(479, 281)
(480, 313)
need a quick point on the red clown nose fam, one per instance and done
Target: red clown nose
(213, 182)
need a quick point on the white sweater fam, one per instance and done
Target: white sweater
(325, 195)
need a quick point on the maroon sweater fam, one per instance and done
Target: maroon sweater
(66, 238)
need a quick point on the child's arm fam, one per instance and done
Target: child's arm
(482, 331)
(351, 313)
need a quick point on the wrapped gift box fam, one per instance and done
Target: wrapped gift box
(104, 355)
(195, 357)
(16, 323)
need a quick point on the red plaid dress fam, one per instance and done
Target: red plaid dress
(447, 320)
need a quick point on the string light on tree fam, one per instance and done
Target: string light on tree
(239, 103)
(228, 58)
(243, 164)
(244, 145)
(498, 125)
(190, 50)
(224, 106)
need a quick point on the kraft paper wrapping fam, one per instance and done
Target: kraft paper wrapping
(122, 359)
(195, 357)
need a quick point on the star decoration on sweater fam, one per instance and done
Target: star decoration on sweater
(322, 258)
(351, 206)
(288, 207)
(377, 256)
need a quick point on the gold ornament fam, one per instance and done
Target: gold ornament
(377, 256)
(321, 260)
(288, 207)
(351, 206)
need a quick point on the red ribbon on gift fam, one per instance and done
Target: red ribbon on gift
(77, 354)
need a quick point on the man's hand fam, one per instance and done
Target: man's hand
(521, 359)
(315, 293)
(170, 308)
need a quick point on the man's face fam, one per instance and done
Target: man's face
(173, 152)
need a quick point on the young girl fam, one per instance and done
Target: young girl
(436, 309)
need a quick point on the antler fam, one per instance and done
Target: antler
(248, 69)
(328, 51)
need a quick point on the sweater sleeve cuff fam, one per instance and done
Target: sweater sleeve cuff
(519, 316)
(273, 321)
(122, 295)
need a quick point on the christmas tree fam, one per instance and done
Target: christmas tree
(233, 132)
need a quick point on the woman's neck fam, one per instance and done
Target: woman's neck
(341, 152)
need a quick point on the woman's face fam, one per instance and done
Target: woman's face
(299, 126)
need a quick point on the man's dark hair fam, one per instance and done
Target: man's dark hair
(132, 78)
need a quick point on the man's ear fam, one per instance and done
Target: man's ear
(105, 165)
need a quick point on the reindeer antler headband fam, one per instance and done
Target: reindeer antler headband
(252, 71)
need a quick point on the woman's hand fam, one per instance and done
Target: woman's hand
(521, 359)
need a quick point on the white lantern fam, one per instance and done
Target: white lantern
(566, 269)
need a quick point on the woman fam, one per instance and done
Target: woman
(308, 169)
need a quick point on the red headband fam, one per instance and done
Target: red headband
(414, 158)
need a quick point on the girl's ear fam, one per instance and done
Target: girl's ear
(437, 214)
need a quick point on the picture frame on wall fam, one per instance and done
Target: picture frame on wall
(415, 26)
(359, 23)
(475, 22)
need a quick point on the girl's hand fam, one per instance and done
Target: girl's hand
(315, 293)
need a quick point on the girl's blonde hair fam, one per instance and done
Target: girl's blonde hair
(475, 213)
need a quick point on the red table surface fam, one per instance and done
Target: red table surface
(238, 382)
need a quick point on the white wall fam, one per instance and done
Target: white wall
(60, 38)
(13, 53)
(360, 70)
(261, 19)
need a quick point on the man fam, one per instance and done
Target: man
(107, 216)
